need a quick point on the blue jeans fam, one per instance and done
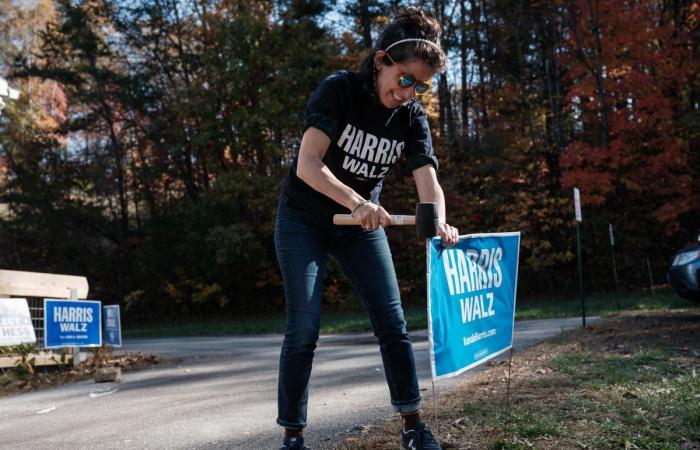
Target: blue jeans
(303, 245)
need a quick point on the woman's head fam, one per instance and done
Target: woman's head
(408, 50)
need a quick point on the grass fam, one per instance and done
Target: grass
(524, 422)
(344, 322)
(627, 382)
(646, 398)
(617, 396)
(599, 304)
(5, 380)
(588, 370)
(331, 322)
(214, 327)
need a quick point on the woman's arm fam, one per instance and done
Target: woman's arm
(429, 190)
(312, 170)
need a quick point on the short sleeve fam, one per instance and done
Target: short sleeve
(419, 145)
(327, 105)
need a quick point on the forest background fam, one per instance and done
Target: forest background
(148, 146)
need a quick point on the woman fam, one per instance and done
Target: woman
(355, 127)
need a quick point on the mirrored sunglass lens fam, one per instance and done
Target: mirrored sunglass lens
(422, 88)
(406, 81)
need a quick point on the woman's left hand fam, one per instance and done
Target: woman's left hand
(448, 234)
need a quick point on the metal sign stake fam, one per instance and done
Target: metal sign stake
(510, 364)
(73, 295)
(577, 210)
(651, 277)
(614, 267)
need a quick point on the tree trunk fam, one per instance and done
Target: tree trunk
(596, 68)
(478, 50)
(365, 23)
(439, 8)
(550, 39)
(594, 12)
(463, 72)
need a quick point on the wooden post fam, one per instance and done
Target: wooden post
(43, 285)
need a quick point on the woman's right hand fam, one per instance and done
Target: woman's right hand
(372, 216)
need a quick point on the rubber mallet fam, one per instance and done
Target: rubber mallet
(425, 220)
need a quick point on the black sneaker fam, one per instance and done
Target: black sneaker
(419, 439)
(294, 443)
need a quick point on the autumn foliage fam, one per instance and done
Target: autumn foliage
(149, 144)
(649, 84)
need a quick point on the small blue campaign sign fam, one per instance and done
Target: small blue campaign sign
(72, 323)
(111, 326)
(471, 300)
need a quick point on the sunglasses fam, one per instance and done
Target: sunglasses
(407, 80)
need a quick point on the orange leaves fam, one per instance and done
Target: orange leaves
(585, 167)
(621, 71)
(638, 61)
(579, 154)
(54, 104)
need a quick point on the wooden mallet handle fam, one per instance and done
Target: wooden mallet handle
(347, 219)
(425, 220)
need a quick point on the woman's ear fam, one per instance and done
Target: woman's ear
(378, 56)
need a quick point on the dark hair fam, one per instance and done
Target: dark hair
(409, 23)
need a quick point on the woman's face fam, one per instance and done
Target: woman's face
(389, 93)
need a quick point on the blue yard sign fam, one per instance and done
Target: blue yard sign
(111, 326)
(471, 300)
(72, 323)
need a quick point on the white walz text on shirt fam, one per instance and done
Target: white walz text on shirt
(367, 155)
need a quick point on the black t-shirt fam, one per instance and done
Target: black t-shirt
(366, 141)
